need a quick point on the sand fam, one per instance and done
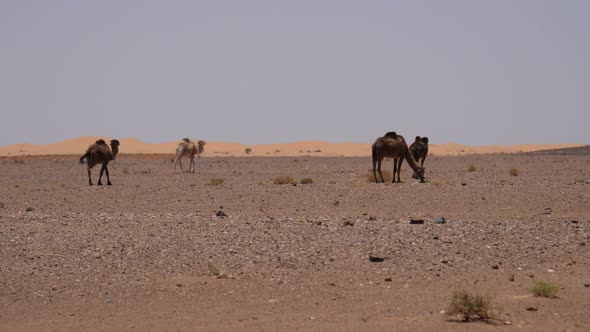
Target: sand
(313, 148)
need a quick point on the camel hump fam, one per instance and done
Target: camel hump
(425, 140)
(391, 134)
(101, 142)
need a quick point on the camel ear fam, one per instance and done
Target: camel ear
(425, 140)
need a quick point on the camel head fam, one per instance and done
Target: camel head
(424, 140)
(114, 147)
(420, 173)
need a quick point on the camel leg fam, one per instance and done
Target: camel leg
(379, 169)
(106, 170)
(180, 162)
(192, 166)
(394, 169)
(89, 176)
(399, 169)
(374, 170)
(100, 176)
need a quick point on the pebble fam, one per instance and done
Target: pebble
(376, 259)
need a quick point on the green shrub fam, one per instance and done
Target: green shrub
(545, 289)
(471, 307)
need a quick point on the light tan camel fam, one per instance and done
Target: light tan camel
(100, 153)
(393, 146)
(189, 149)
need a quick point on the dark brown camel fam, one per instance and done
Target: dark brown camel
(100, 153)
(419, 150)
(393, 146)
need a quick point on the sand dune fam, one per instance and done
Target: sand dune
(314, 148)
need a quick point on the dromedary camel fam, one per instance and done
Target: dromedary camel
(419, 150)
(100, 153)
(189, 149)
(393, 146)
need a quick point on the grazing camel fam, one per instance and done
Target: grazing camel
(189, 149)
(100, 153)
(419, 150)
(393, 146)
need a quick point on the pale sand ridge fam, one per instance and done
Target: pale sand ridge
(77, 146)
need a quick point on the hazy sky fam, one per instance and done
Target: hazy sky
(473, 72)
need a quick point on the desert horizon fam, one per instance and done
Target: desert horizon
(78, 145)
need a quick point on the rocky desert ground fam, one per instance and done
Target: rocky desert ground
(154, 252)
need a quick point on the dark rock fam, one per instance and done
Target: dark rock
(178, 285)
(587, 285)
(388, 279)
(512, 278)
(416, 221)
(376, 259)
(221, 214)
(463, 184)
(372, 218)
(495, 266)
(532, 309)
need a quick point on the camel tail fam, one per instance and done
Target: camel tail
(85, 156)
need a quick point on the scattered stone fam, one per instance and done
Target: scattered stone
(587, 285)
(444, 261)
(550, 270)
(435, 237)
(221, 214)
(495, 267)
(388, 279)
(574, 221)
(440, 220)
(507, 322)
(512, 278)
(376, 259)
(463, 184)
(532, 308)
(179, 285)
(372, 218)
(416, 221)
(531, 275)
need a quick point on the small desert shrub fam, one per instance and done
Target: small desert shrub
(387, 175)
(306, 181)
(215, 182)
(283, 180)
(248, 150)
(471, 168)
(545, 289)
(277, 151)
(29, 209)
(514, 171)
(471, 307)
(125, 171)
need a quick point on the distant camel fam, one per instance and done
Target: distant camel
(100, 153)
(419, 150)
(393, 146)
(187, 148)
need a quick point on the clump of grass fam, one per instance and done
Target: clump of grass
(125, 171)
(248, 150)
(306, 181)
(215, 182)
(29, 209)
(514, 171)
(283, 180)
(545, 289)
(471, 168)
(387, 175)
(470, 307)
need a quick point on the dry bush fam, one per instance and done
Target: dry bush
(215, 182)
(248, 150)
(545, 289)
(306, 181)
(387, 175)
(471, 307)
(514, 171)
(471, 168)
(283, 180)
